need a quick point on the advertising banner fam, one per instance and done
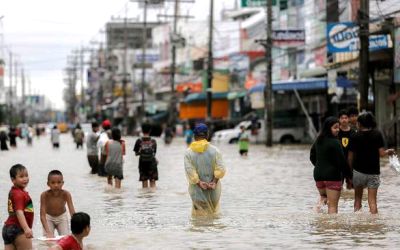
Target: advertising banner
(343, 37)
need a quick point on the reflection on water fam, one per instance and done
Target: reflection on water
(267, 202)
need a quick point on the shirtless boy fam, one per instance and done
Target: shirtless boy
(53, 213)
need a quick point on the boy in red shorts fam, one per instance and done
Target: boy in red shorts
(80, 227)
(17, 230)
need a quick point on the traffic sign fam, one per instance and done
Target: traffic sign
(256, 3)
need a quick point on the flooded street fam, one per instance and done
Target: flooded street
(267, 202)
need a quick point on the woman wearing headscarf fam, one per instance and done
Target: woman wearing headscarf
(330, 166)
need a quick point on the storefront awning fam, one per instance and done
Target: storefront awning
(196, 97)
(236, 94)
(305, 84)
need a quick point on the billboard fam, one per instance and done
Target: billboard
(343, 37)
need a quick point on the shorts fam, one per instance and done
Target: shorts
(148, 170)
(365, 180)
(331, 185)
(243, 151)
(56, 145)
(10, 233)
(114, 169)
(59, 223)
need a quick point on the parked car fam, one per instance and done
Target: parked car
(281, 133)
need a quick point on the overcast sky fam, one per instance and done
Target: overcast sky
(43, 32)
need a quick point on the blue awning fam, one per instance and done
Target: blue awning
(306, 84)
(343, 82)
(196, 97)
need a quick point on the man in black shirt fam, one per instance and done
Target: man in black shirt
(345, 135)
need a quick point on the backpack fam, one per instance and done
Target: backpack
(146, 151)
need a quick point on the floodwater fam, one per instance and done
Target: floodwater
(267, 202)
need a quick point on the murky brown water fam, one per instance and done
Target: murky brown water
(266, 203)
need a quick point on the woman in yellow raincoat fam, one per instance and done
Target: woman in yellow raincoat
(204, 168)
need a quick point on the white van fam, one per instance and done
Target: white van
(279, 134)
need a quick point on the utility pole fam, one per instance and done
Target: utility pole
(23, 96)
(268, 109)
(172, 117)
(176, 16)
(16, 80)
(143, 110)
(83, 106)
(124, 70)
(363, 74)
(210, 64)
(10, 90)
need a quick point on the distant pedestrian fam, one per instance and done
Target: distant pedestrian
(17, 230)
(80, 227)
(188, 133)
(55, 137)
(3, 140)
(168, 134)
(79, 136)
(113, 155)
(29, 135)
(53, 212)
(105, 135)
(146, 148)
(204, 168)
(365, 151)
(243, 141)
(345, 135)
(12, 135)
(353, 115)
(330, 166)
(92, 150)
(38, 131)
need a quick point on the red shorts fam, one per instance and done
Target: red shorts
(332, 185)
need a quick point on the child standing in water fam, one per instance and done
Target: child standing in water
(53, 213)
(188, 135)
(146, 149)
(55, 137)
(345, 135)
(113, 153)
(243, 141)
(80, 227)
(17, 230)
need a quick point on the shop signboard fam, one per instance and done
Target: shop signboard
(343, 37)
(256, 3)
(154, 4)
(292, 37)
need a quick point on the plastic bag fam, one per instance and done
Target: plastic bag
(394, 163)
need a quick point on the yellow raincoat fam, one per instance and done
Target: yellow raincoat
(203, 161)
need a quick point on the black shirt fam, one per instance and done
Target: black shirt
(365, 145)
(327, 156)
(344, 138)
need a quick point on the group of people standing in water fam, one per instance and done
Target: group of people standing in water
(348, 149)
